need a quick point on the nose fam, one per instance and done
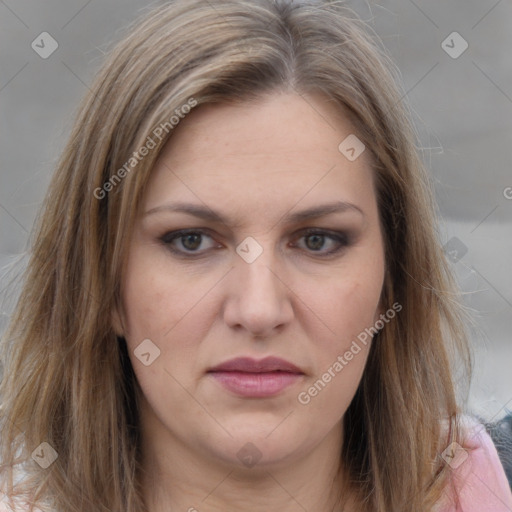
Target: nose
(259, 299)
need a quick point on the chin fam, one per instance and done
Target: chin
(262, 447)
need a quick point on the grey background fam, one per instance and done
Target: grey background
(462, 109)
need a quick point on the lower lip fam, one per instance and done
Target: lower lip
(256, 385)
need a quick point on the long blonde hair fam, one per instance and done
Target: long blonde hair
(68, 379)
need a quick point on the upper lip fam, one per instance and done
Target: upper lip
(249, 365)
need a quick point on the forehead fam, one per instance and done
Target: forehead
(283, 149)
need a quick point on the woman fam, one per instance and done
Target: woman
(236, 299)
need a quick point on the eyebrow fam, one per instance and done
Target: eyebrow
(205, 213)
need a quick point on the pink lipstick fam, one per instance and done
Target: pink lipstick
(253, 378)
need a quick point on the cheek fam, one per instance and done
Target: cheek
(166, 305)
(349, 305)
(152, 297)
(350, 309)
(153, 305)
(144, 300)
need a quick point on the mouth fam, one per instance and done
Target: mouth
(253, 378)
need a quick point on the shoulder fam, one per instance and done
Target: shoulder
(478, 482)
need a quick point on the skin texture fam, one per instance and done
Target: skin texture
(253, 163)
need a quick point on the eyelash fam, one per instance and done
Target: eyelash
(341, 238)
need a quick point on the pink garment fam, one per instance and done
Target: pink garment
(478, 476)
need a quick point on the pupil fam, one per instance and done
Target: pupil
(196, 241)
(318, 241)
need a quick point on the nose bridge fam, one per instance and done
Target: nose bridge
(258, 299)
(259, 279)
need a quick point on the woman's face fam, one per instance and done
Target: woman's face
(259, 275)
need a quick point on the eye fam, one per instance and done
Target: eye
(316, 240)
(186, 241)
